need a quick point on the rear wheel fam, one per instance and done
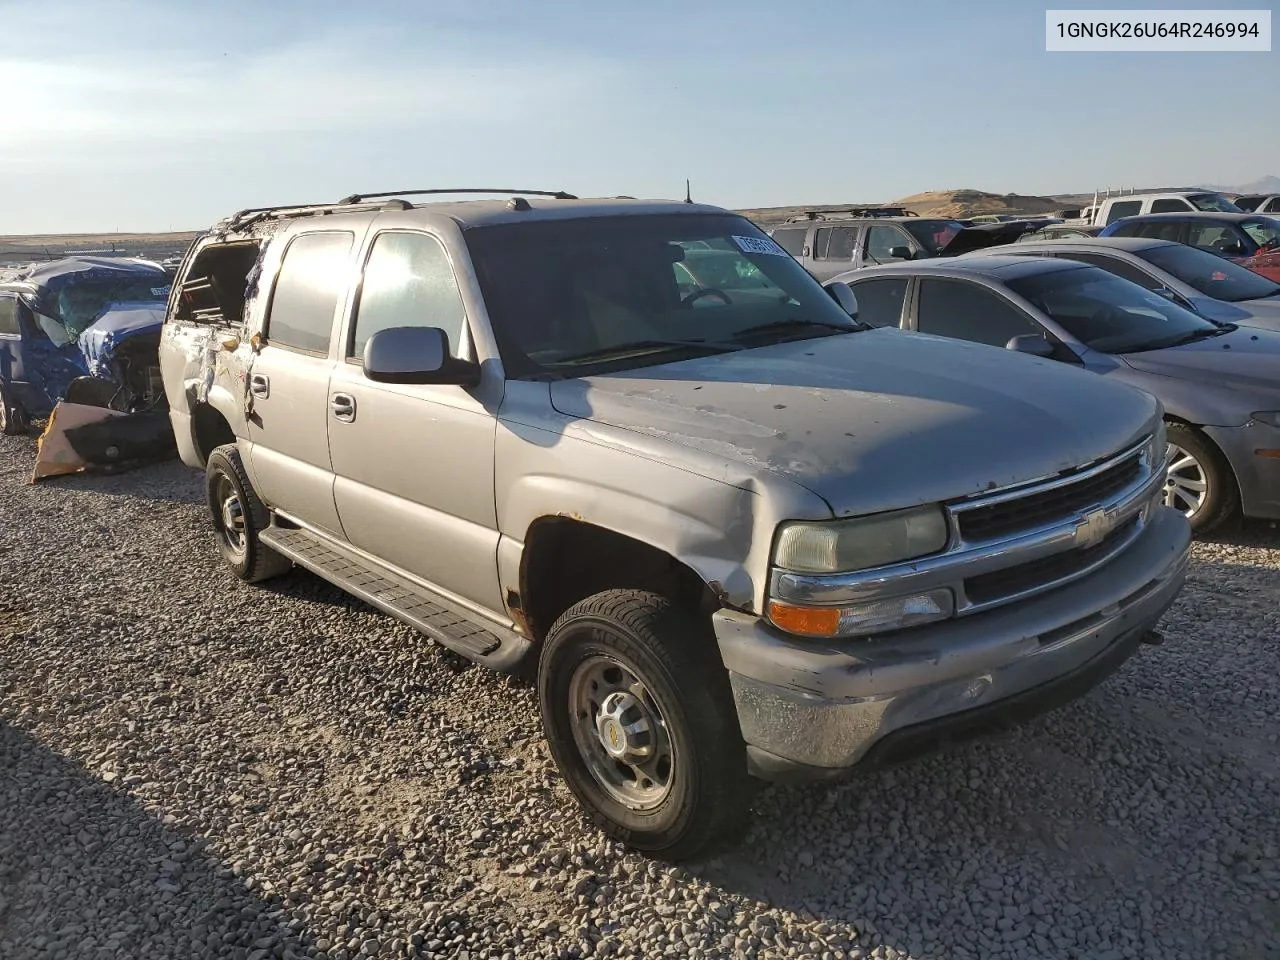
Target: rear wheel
(13, 420)
(238, 517)
(1200, 484)
(638, 714)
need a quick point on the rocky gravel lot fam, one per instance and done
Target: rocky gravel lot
(190, 767)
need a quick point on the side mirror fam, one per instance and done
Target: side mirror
(1233, 249)
(416, 355)
(900, 253)
(1032, 343)
(843, 294)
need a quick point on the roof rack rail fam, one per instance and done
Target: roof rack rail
(251, 215)
(860, 212)
(554, 194)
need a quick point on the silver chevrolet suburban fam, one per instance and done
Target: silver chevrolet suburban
(737, 533)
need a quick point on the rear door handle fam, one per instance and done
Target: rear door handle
(343, 406)
(259, 385)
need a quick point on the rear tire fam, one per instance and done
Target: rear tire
(239, 517)
(633, 669)
(1201, 484)
(13, 419)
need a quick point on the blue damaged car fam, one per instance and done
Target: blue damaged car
(81, 329)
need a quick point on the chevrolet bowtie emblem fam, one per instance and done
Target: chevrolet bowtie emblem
(1093, 528)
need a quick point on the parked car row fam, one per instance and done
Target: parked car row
(830, 242)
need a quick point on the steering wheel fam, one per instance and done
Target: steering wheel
(706, 292)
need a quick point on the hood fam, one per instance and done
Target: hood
(1249, 313)
(874, 420)
(120, 322)
(1246, 359)
(983, 235)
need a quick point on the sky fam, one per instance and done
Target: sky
(139, 115)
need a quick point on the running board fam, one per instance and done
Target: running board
(444, 621)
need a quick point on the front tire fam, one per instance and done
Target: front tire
(13, 420)
(1200, 483)
(638, 714)
(238, 517)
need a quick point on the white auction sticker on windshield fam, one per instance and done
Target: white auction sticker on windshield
(760, 245)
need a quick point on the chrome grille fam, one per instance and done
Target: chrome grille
(1008, 515)
(1002, 585)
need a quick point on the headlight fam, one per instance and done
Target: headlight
(847, 546)
(1269, 417)
(843, 546)
(861, 619)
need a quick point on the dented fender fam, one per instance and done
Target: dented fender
(549, 465)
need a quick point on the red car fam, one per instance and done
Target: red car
(1249, 239)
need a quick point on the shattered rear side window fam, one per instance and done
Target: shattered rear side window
(218, 283)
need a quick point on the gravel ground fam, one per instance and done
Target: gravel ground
(191, 767)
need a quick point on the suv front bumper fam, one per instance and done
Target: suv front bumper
(810, 710)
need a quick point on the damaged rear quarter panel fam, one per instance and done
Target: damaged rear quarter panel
(197, 369)
(709, 512)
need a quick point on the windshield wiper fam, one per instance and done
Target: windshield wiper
(646, 346)
(783, 326)
(1196, 335)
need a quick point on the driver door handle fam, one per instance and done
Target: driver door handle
(259, 385)
(343, 406)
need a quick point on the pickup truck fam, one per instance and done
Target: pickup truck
(1111, 209)
(732, 533)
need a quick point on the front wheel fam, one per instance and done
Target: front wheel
(13, 421)
(1200, 484)
(637, 711)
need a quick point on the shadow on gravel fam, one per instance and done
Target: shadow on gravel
(1246, 533)
(85, 872)
(167, 482)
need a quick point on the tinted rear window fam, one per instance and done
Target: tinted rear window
(1213, 276)
(313, 277)
(880, 301)
(791, 239)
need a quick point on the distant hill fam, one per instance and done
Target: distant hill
(935, 203)
(25, 249)
(1266, 185)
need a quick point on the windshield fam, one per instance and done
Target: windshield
(1211, 275)
(1213, 202)
(1111, 314)
(933, 235)
(76, 306)
(570, 297)
(1265, 232)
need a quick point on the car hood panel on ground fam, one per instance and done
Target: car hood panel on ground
(854, 417)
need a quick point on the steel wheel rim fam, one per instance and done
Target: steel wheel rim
(1187, 484)
(230, 513)
(620, 733)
